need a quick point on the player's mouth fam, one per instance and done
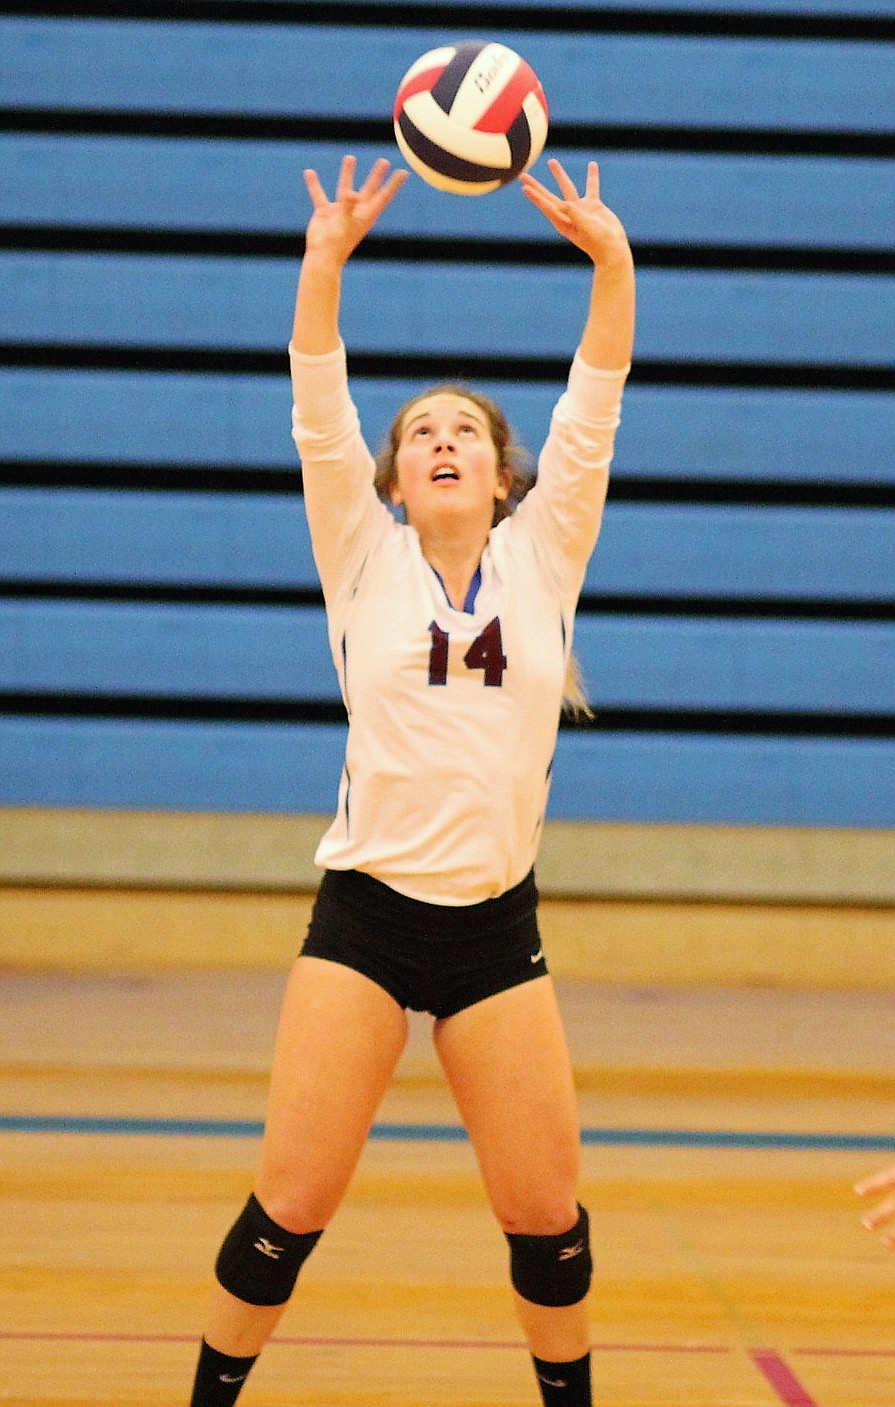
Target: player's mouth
(445, 473)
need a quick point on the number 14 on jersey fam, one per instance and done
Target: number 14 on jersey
(485, 653)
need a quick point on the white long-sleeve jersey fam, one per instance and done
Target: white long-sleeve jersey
(452, 715)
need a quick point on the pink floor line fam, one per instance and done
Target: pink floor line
(781, 1378)
(843, 1352)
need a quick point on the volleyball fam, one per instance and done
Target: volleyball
(470, 117)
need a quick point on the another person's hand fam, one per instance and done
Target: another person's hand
(883, 1214)
(337, 226)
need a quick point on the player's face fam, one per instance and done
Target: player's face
(447, 458)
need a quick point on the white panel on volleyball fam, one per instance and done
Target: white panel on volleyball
(495, 65)
(484, 148)
(432, 59)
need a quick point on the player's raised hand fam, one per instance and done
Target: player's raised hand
(581, 218)
(337, 226)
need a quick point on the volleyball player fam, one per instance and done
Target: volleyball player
(451, 633)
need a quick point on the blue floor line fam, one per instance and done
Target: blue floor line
(453, 1133)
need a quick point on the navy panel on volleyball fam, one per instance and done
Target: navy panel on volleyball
(470, 117)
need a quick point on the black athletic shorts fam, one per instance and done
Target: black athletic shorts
(438, 958)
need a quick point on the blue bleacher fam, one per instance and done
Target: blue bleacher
(256, 185)
(765, 599)
(237, 422)
(262, 652)
(261, 542)
(271, 69)
(90, 299)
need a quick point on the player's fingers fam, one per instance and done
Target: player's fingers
(566, 185)
(315, 189)
(880, 1215)
(394, 183)
(528, 180)
(556, 213)
(546, 200)
(375, 176)
(538, 192)
(877, 1182)
(345, 184)
(592, 188)
(388, 191)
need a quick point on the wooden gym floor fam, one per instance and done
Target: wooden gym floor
(723, 1131)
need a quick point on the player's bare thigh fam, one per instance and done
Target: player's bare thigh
(507, 1062)
(339, 1040)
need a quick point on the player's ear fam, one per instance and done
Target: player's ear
(504, 484)
(395, 494)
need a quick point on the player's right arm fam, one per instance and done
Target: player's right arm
(337, 468)
(334, 231)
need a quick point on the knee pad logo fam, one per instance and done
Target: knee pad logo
(269, 1276)
(569, 1252)
(552, 1270)
(267, 1248)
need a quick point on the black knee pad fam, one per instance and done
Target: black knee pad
(259, 1260)
(552, 1270)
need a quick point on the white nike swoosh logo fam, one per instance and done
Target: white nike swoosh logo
(536, 957)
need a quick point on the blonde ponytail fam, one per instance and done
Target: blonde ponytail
(574, 694)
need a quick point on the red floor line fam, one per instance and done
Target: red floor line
(328, 1341)
(49, 1336)
(781, 1378)
(493, 1343)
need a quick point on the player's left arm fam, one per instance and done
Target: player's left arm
(608, 337)
(565, 508)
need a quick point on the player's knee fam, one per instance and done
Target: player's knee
(552, 1270)
(259, 1260)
